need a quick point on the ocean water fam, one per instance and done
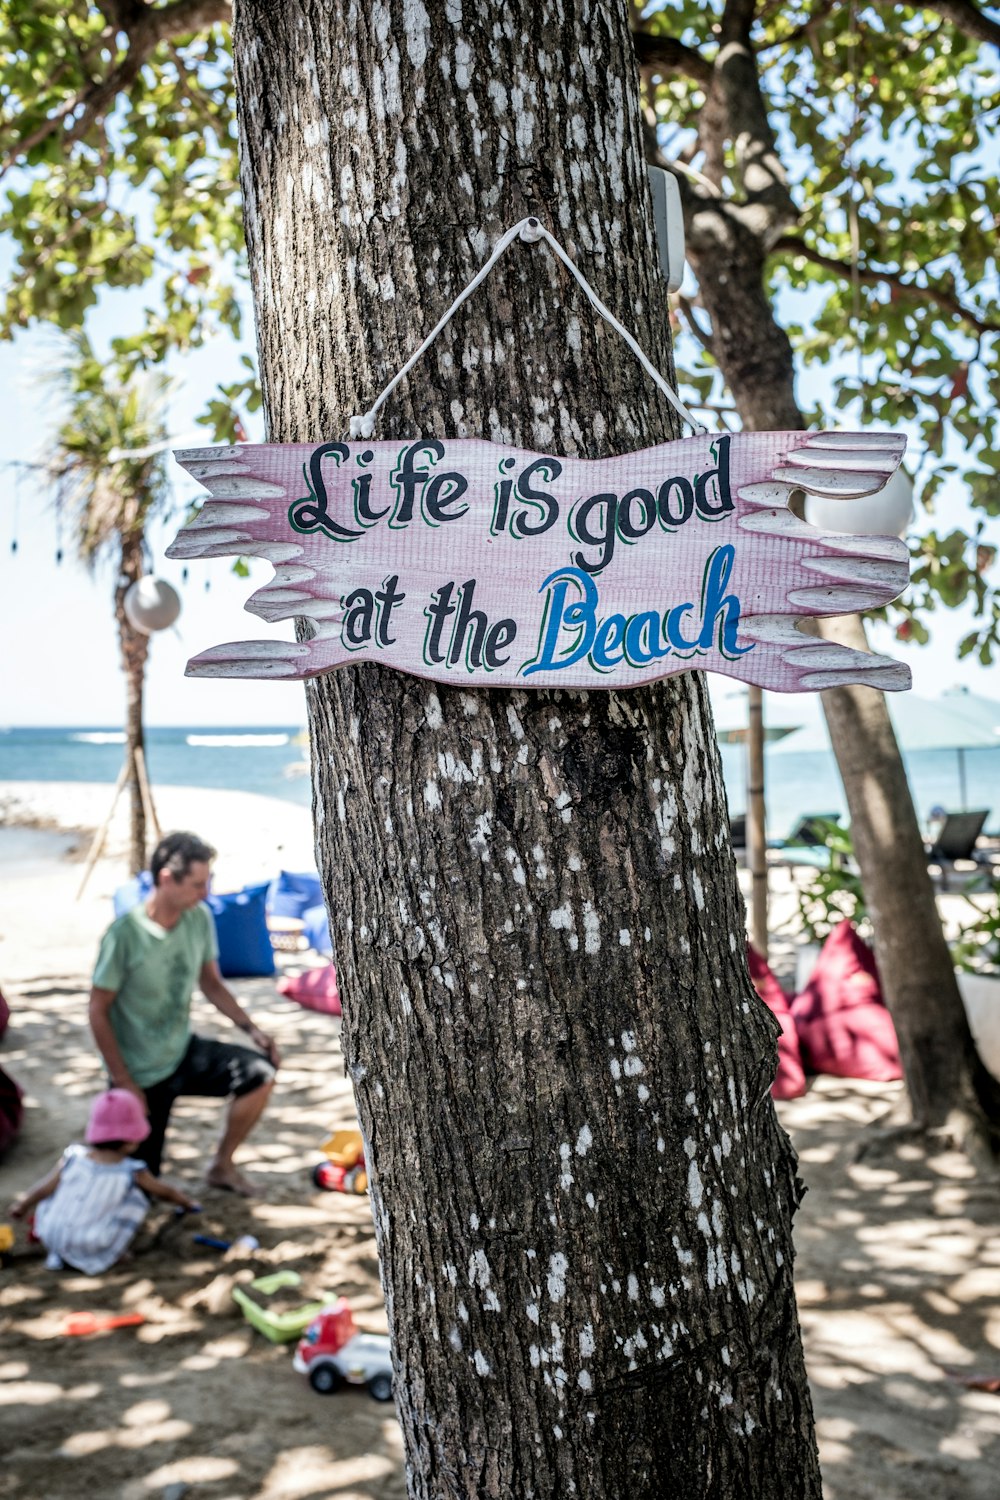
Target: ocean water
(270, 761)
(809, 783)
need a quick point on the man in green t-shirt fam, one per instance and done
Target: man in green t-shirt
(150, 961)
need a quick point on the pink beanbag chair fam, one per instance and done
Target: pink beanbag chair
(11, 1111)
(316, 989)
(790, 1079)
(843, 1024)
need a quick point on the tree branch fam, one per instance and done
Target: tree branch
(806, 30)
(713, 129)
(967, 18)
(672, 56)
(763, 176)
(703, 335)
(144, 26)
(790, 244)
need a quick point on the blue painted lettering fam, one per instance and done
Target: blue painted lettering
(572, 628)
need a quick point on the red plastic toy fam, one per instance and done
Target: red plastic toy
(80, 1324)
(344, 1171)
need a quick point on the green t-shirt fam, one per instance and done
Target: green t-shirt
(152, 971)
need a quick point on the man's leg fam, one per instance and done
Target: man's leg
(213, 1069)
(244, 1112)
(159, 1102)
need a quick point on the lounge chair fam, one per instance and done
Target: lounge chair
(809, 832)
(806, 844)
(956, 840)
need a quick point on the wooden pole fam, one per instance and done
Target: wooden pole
(94, 853)
(147, 794)
(757, 822)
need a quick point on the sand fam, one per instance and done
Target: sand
(897, 1271)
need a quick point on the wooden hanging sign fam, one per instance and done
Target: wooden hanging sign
(481, 565)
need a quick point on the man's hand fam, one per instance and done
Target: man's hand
(19, 1207)
(215, 990)
(130, 1085)
(266, 1044)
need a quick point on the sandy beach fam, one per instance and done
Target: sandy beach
(897, 1270)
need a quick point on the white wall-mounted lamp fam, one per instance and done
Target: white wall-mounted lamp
(668, 221)
(887, 513)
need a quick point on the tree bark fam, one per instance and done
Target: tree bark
(946, 1082)
(135, 649)
(582, 1198)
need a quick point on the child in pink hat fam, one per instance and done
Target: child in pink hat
(93, 1201)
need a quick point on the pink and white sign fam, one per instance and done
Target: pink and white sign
(482, 565)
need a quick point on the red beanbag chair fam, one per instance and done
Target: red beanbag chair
(316, 989)
(790, 1079)
(843, 1024)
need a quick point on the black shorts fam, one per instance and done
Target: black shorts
(208, 1070)
(216, 1070)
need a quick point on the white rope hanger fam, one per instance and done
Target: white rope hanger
(530, 231)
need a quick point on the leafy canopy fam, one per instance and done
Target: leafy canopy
(117, 150)
(885, 119)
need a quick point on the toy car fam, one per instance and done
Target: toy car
(332, 1353)
(344, 1171)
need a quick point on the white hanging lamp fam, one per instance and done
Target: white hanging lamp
(152, 604)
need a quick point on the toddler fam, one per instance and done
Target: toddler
(93, 1201)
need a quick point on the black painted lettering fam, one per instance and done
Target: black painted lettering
(311, 512)
(712, 494)
(548, 505)
(359, 614)
(386, 600)
(468, 618)
(594, 523)
(633, 526)
(675, 502)
(443, 491)
(437, 613)
(362, 495)
(501, 503)
(407, 480)
(500, 635)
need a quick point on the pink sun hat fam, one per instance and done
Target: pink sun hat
(116, 1116)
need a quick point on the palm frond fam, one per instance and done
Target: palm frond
(101, 413)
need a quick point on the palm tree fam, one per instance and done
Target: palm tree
(110, 504)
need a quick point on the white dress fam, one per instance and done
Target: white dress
(92, 1216)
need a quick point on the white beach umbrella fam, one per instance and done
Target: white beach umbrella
(958, 721)
(731, 713)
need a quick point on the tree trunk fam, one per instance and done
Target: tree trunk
(134, 649)
(946, 1082)
(756, 822)
(582, 1198)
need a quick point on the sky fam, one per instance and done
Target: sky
(61, 666)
